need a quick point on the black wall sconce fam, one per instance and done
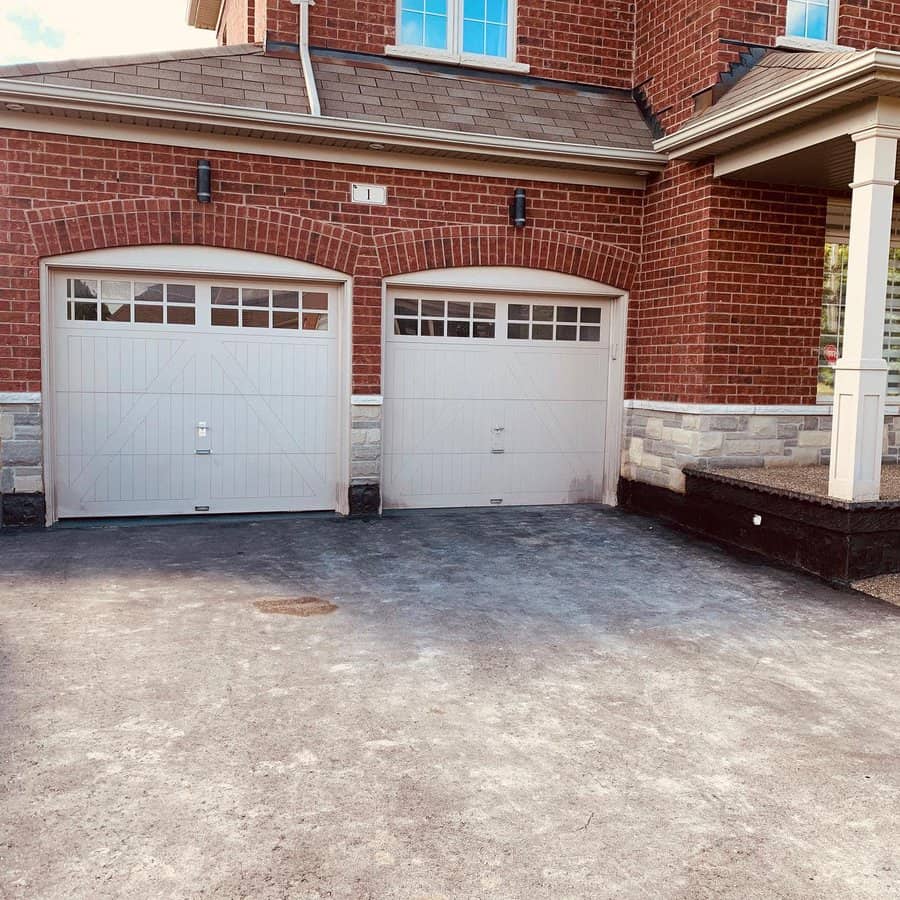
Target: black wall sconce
(204, 181)
(518, 210)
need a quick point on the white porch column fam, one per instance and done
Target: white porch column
(860, 382)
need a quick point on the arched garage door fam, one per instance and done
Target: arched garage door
(176, 394)
(494, 398)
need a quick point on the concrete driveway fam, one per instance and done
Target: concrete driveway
(563, 703)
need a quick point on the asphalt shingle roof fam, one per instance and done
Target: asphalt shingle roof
(365, 88)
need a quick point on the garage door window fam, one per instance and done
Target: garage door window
(546, 322)
(281, 309)
(444, 318)
(137, 302)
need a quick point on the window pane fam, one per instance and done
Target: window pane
(473, 37)
(414, 4)
(254, 297)
(590, 333)
(433, 308)
(227, 317)
(83, 312)
(86, 290)
(519, 313)
(517, 332)
(180, 293)
(474, 9)
(436, 32)
(433, 327)
(458, 329)
(817, 22)
(591, 314)
(459, 310)
(255, 318)
(406, 307)
(406, 326)
(150, 315)
(148, 292)
(224, 296)
(115, 312)
(484, 330)
(498, 11)
(542, 333)
(566, 313)
(289, 320)
(495, 40)
(316, 301)
(485, 311)
(180, 315)
(796, 18)
(315, 321)
(412, 29)
(566, 332)
(115, 290)
(436, 6)
(542, 314)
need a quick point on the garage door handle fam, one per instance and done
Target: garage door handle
(203, 452)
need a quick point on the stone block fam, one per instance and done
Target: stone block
(6, 426)
(814, 439)
(20, 453)
(708, 442)
(27, 484)
(365, 469)
(636, 450)
(763, 426)
(654, 429)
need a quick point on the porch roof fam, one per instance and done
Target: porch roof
(790, 118)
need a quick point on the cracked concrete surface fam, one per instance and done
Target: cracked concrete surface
(557, 703)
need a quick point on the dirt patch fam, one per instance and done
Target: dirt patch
(809, 479)
(295, 606)
(884, 587)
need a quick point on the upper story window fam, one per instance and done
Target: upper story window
(815, 20)
(476, 32)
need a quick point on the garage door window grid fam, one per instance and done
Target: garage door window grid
(444, 318)
(543, 322)
(125, 301)
(277, 308)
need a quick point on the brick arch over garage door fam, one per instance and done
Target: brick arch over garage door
(125, 223)
(533, 248)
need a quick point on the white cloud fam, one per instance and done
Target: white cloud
(32, 30)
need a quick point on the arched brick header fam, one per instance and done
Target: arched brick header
(124, 223)
(483, 245)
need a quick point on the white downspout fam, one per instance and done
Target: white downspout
(312, 92)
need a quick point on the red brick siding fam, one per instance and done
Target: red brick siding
(238, 24)
(43, 171)
(561, 39)
(727, 306)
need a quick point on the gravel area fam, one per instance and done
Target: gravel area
(884, 587)
(810, 479)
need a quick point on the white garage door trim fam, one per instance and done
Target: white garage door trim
(511, 281)
(197, 262)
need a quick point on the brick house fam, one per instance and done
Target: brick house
(420, 253)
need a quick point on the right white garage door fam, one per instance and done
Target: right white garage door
(492, 401)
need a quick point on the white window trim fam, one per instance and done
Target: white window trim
(453, 54)
(796, 42)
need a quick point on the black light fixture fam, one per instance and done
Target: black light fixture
(518, 209)
(204, 181)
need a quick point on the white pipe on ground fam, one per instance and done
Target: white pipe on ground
(312, 91)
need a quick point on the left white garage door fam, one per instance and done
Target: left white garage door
(180, 395)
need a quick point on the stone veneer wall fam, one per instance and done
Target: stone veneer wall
(21, 471)
(659, 443)
(365, 458)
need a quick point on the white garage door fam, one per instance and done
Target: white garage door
(494, 401)
(182, 395)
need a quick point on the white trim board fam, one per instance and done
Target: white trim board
(738, 409)
(11, 398)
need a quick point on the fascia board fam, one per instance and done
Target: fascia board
(323, 128)
(860, 70)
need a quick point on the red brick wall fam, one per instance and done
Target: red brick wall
(41, 171)
(728, 301)
(561, 39)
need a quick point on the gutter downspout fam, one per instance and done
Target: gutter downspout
(312, 91)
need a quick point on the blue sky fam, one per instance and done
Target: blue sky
(64, 29)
